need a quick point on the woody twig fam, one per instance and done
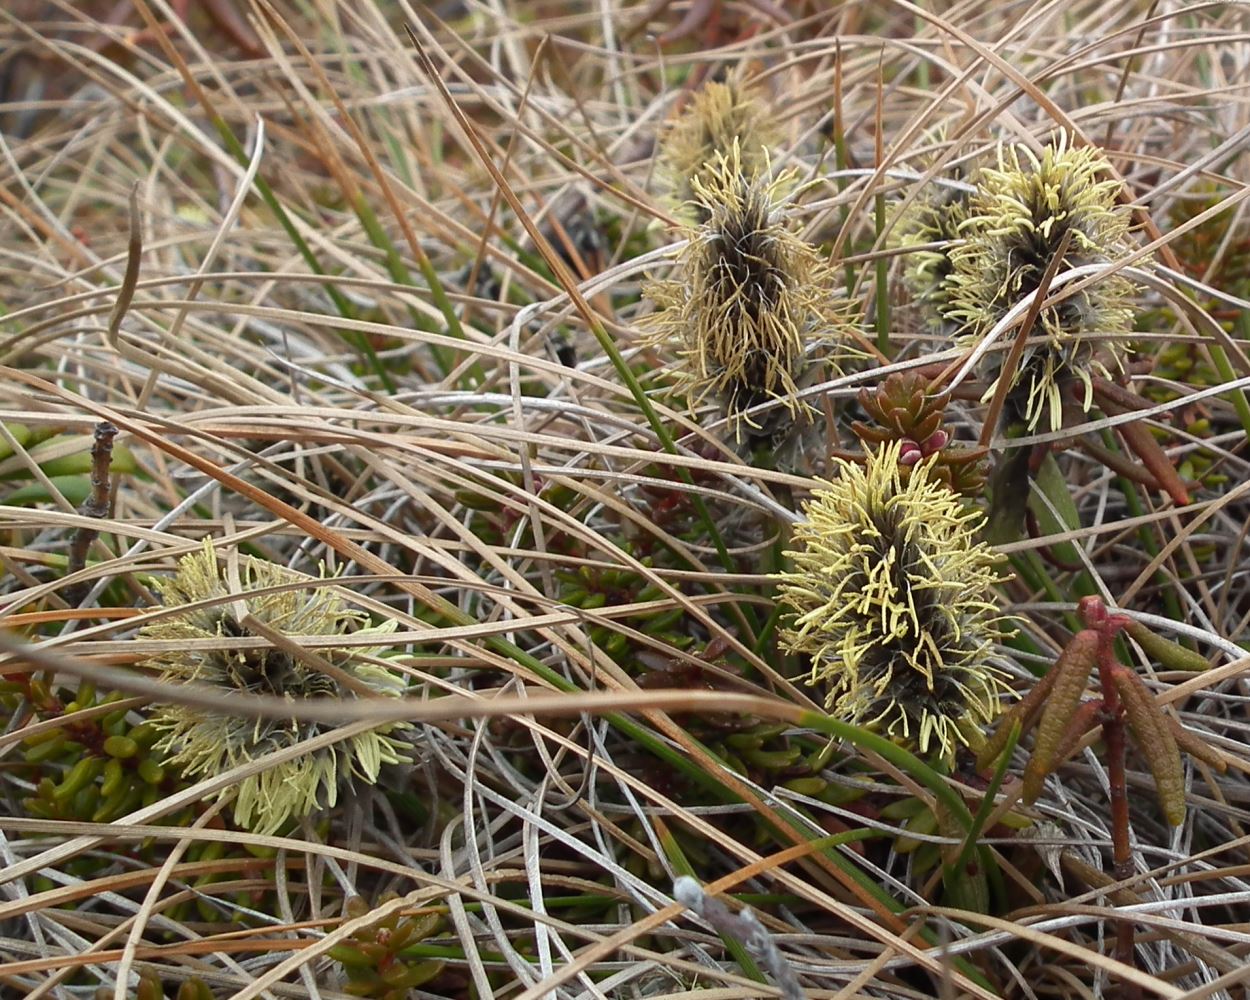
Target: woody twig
(96, 505)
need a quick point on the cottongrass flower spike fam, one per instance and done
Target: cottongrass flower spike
(890, 599)
(204, 742)
(933, 217)
(1016, 223)
(751, 302)
(718, 116)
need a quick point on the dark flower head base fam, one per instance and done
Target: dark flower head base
(204, 743)
(934, 217)
(1016, 224)
(751, 297)
(890, 599)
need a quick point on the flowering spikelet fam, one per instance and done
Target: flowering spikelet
(718, 115)
(889, 597)
(750, 298)
(204, 742)
(1016, 223)
(933, 217)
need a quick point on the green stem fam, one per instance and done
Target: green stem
(627, 375)
(1219, 358)
(357, 340)
(883, 286)
(982, 815)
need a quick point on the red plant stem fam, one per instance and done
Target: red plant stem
(1113, 734)
(1113, 737)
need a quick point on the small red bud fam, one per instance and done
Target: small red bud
(935, 442)
(909, 452)
(1092, 611)
(1114, 623)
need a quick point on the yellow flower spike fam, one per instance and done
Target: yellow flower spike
(718, 116)
(890, 599)
(935, 216)
(203, 743)
(1014, 227)
(751, 297)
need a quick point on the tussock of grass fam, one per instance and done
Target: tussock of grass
(351, 353)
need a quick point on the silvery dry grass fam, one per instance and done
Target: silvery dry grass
(242, 381)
